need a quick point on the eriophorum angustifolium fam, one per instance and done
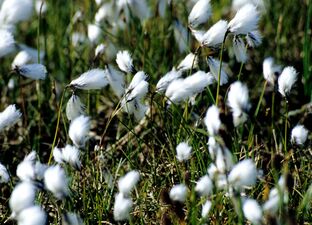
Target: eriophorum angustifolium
(155, 112)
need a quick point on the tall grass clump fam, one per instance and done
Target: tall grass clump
(155, 112)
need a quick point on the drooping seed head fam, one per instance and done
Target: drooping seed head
(245, 20)
(200, 13)
(32, 71)
(78, 130)
(128, 182)
(286, 80)
(9, 117)
(183, 151)
(299, 135)
(122, 207)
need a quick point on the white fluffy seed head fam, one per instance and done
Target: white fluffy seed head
(30, 169)
(187, 63)
(128, 182)
(78, 38)
(238, 101)
(237, 4)
(198, 81)
(162, 6)
(14, 11)
(176, 91)
(9, 117)
(136, 108)
(286, 80)
(270, 70)
(277, 195)
(105, 11)
(214, 65)
(41, 6)
(22, 197)
(22, 58)
(92, 79)
(11, 84)
(99, 2)
(94, 33)
(183, 151)
(199, 35)
(252, 211)
(122, 207)
(178, 193)
(56, 181)
(212, 120)
(78, 130)
(271, 205)
(33, 71)
(245, 20)
(27, 55)
(124, 61)
(181, 89)
(205, 209)
(74, 107)
(134, 94)
(224, 160)
(204, 186)
(212, 171)
(4, 175)
(299, 135)
(239, 49)
(40, 169)
(57, 155)
(254, 38)
(164, 82)
(200, 13)
(213, 38)
(116, 80)
(7, 43)
(181, 36)
(243, 174)
(213, 147)
(71, 155)
(33, 215)
(137, 78)
(26, 170)
(137, 88)
(99, 50)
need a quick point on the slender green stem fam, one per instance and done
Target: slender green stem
(260, 99)
(211, 95)
(250, 135)
(57, 126)
(241, 66)
(113, 114)
(195, 55)
(185, 113)
(219, 76)
(272, 110)
(240, 211)
(286, 122)
(38, 33)
(240, 71)
(38, 82)
(220, 67)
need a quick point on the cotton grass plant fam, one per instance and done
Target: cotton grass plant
(154, 112)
